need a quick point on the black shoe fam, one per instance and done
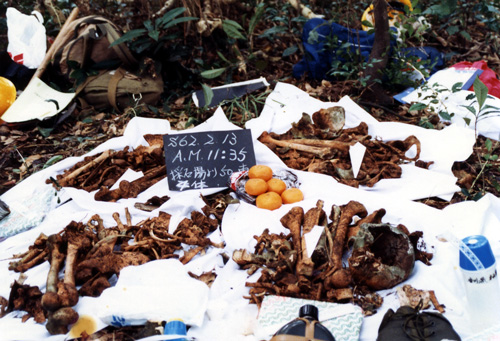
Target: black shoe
(410, 324)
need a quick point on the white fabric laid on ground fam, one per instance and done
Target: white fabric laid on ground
(438, 96)
(286, 104)
(160, 290)
(488, 125)
(227, 315)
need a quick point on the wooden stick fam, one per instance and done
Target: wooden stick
(50, 53)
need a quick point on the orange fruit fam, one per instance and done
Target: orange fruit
(269, 201)
(276, 185)
(291, 195)
(7, 94)
(255, 186)
(260, 172)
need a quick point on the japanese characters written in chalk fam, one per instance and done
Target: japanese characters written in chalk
(206, 159)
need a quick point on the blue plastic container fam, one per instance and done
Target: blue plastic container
(176, 327)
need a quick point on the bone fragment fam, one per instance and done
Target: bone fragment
(88, 165)
(293, 221)
(311, 219)
(353, 208)
(323, 152)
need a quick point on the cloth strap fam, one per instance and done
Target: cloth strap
(113, 85)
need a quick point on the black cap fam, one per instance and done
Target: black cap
(309, 310)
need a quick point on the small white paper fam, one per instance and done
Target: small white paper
(357, 153)
(312, 239)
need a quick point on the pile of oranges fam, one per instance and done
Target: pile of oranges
(271, 192)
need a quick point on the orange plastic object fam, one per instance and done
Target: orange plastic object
(7, 94)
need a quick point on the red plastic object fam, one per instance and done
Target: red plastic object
(488, 76)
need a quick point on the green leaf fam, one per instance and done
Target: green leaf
(129, 36)
(199, 61)
(445, 115)
(52, 160)
(214, 73)
(465, 192)
(481, 92)
(208, 94)
(487, 106)
(149, 25)
(259, 11)
(485, 113)
(452, 29)
(417, 106)
(45, 131)
(457, 87)
(424, 123)
(466, 35)
(478, 195)
(470, 108)
(492, 9)
(233, 29)
(366, 23)
(79, 76)
(269, 33)
(444, 9)
(496, 185)
(167, 17)
(191, 121)
(313, 37)
(221, 56)
(488, 144)
(289, 51)
(155, 35)
(467, 120)
(178, 21)
(470, 96)
(143, 45)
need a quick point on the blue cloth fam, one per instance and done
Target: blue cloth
(318, 35)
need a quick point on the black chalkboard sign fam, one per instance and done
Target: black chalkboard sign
(206, 159)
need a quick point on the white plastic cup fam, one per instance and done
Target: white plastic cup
(481, 285)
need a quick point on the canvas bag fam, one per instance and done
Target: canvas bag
(120, 89)
(88, 41)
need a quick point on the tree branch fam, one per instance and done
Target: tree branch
(379, 55)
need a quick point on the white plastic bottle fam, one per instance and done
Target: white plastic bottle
(481, 283)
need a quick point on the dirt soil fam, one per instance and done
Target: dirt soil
(29, 148)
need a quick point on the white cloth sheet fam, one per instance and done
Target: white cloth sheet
(221, 312)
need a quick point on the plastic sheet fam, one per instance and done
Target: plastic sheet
(27, 40)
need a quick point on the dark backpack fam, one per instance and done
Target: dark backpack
(88, 42)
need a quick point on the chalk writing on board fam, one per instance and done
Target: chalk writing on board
(206, 159)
